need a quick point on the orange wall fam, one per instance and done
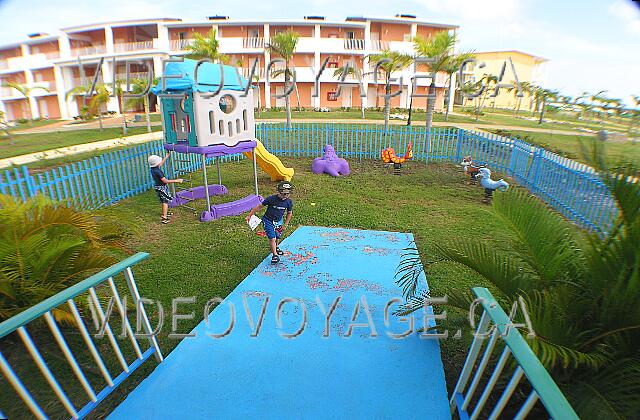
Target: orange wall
(338, 32)
(391, 31)
(97, 37)
(17, 109)
(239, 31)
(304, 89)
(17, 77)
(174, 33)
(11, 52)
(428, 31)
(53, 109)
(44, 48)
(421, 102)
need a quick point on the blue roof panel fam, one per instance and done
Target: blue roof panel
(209, 77)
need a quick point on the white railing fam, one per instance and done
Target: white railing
(180, 44)
(88, 50)
(52, 55)
(4, 64)
(353, 44)
(137, 75)
(245, 72)
(78, 81)
(7, 91)
(378, 45)
(134, 46)
(253, 42)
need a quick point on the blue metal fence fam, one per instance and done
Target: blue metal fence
(571, 188)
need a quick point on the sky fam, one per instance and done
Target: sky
(592, 45)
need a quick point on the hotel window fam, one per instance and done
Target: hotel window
(254, 33)
(182, 35)
(351, 35)
(406, 37)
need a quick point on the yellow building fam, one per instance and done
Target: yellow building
(528, 68)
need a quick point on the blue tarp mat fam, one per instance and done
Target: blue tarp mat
(268, 376)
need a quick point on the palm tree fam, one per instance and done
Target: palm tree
(284, 45)
(635, 113)
(439, 48)
(544, 96)
(139, 86)
(353, 72)
(525, 89)
(100, 97)
(489, 81)
(206, 46)
(390, 61)
(46, 247)
(452, 66)
(25, 90)
(580, 290)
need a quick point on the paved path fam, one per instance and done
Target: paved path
(79, 148)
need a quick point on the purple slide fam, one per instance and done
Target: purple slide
(231, 208)
(195, 193)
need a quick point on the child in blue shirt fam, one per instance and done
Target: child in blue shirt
(276, 206)
(161, 184)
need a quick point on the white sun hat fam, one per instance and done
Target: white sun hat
(154, 160)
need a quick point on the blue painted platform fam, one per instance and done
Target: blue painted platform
(309, 376)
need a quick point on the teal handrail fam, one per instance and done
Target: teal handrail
(551, 396)
(23, 318)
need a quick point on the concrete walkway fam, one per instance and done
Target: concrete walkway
(79, 148)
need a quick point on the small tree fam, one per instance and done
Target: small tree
(206, 46)
(284, 45)
(439, 49)
(396, 61)
(25, 91)
(452, 66)
(139, 86)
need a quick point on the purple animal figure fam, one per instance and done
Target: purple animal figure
(330, 163)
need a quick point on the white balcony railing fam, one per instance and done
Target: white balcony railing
(88, 50)
(354, 44)
(78, 81)
(259, 72)
(378, 45)
(180, 44)
(134, 46)
(4, 64)
(253, 42)
(52, 55)
(7, 92)
(132, 76)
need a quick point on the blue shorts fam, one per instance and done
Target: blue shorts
(270, 228)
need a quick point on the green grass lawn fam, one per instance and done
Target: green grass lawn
(32, 124)
(20, 144)
(189, 258)
(618, 153)
(553, 120)
(417, 115)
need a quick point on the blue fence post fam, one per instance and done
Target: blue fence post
(536, 161)
(460, 138)
(32, 188)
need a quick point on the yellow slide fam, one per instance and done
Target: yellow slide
(270, 164)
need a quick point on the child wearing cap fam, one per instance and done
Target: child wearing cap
(161, 184)
(276, 205)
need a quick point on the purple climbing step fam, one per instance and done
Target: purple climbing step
(231, 208)
(195, 193)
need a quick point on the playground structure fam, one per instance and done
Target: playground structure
(330, 163)
(205, 112)
(490, 185)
